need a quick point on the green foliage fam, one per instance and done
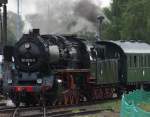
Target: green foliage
(136, 20)
(114, 14)
(129, 20)
(11, 28)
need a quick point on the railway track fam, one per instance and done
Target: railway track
(54, 111)
(44, 112)
(63, 112)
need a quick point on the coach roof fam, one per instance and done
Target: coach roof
(134, 47)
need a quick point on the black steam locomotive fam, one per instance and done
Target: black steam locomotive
(37, 61)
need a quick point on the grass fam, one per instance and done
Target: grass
(114, 105)
(145, 106)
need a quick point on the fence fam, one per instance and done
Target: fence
(130, 105)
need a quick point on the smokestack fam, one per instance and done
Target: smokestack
(100, 21)
(36, 32)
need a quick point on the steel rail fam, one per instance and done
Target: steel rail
(16, 112)
(44, 111)
(69, 113)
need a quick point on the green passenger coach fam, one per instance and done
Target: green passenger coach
(138, 61)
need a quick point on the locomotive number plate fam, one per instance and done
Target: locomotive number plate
(28, 60)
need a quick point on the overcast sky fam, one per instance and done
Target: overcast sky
(28, 6)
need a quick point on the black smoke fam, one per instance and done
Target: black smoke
(87, 10)
(65, 16)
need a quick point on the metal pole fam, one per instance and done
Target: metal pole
(1, 28)
(5, 24)
(17, 30)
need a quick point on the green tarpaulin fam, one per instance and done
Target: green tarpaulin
(131, 101)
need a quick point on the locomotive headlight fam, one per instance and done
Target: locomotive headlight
(59, 80)
(39, 81)
(27, 45)
(9, 81)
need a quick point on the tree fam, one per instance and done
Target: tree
(135, 24)
(129, 20)
(11, 28)
(114, 15)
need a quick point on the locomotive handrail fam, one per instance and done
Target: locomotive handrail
(72, 70)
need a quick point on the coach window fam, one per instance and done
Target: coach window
(135, 61)
(130, 61)
(138, 61)
(141, 61)
(148, 60)
(145, 61)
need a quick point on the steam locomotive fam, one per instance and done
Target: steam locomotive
(43, 64)
(63, 69)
